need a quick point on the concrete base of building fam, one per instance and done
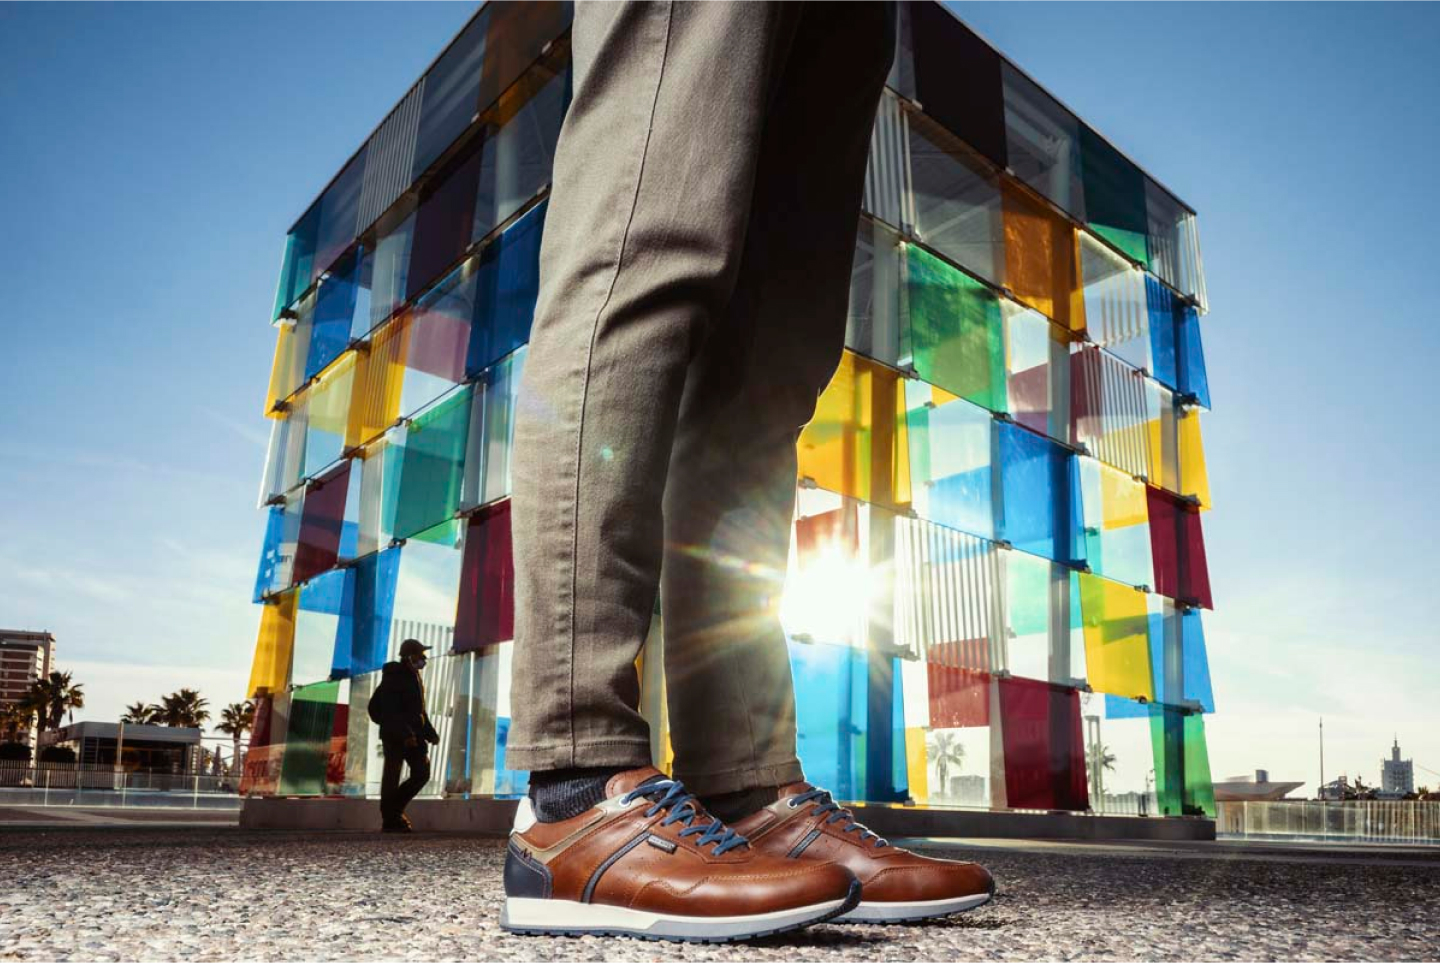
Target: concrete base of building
(493, 817)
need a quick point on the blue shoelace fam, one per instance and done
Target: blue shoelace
(825, 804)
(672, 796)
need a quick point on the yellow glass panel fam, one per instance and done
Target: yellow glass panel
(270, 670)
(1042, 259)
(1117, 638)
(917, 764)
(330, 398)
(283, 376)
(379, 377)
(1194, 479)
(1122, 500)
(857, 442)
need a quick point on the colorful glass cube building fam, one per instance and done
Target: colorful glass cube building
(997, 574)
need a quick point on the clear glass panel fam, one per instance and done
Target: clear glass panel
(1044, 638)
(951, 453)
(887, 169)
(1173, 242)
(856, 442)
(872, 327)
(1109, 410)
(1044, 142)
(285, 461)
(1041, 259)
(426, 593)
(956, 200)
(516, 160)
(452, 93)
(507, 284)
(1117, 312)
(947, 601)
(389, 269)
(1118, 755)
(492, 431)
(317, 626)
(955, 336)
(1116, 519)
(339, 208)
(1037, 371)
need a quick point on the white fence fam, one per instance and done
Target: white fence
(69, 784)
(1372, 821)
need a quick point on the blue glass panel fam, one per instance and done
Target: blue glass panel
(1118, 707)
(1193, 379)
(831, 712)
(375, 579)
(340, 663)
(508, 782)
(1160, 303)
(270, 551)
(508, 283)
(299, 262)
(1036, 494)
(1195, 663)
(334, 315)
(950, 461)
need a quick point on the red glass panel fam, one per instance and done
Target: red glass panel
(486, 614)
(321, 523)
(1043, 744)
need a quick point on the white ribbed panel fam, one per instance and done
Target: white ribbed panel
(1115, 309)
(388, 160)
(947, 589)
(1110, 410)
(887, 173)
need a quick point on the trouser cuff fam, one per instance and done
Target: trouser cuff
(735, 780)
(620, 753)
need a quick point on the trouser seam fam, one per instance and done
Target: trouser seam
(589, 359)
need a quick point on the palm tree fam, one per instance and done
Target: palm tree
(236, 719)
(15, 719)
(1097, 751)
(185, 709)
(945, 751)
(54, 696)
(140, 714)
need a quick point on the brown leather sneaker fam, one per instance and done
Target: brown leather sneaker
(897, 886)
(649, 862)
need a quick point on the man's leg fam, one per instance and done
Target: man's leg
(393, 759)
(652, 191)
(731, 493)
(417, 758)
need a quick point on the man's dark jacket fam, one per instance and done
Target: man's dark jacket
(401, 695)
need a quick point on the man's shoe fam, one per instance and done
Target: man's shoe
(805, 825)
(649, 862)
(400, 824)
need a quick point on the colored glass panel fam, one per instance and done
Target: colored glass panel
(282, 536)
(380, 464)
(339, 208)
(1196, 688)
(856, 442)
(1036, 511)
(452, 92)
(274, 647)
(1043, 745)
(439, 329)
(956, 200)
(1116, 519)
(516, 36)
(318, 544)
(443, 221)
(957, 78)
(1193, 379)
(374, 593)
(517, 158)
(317, 626)
(486, 612)
(507, 284)
(334, 315)
(379, 381)
(288, 370)
(1183, 784)
(951, 453)
(1164, 351)
(431, 472)
(1114, 195)
(270, 551)
(1117, 638)
(297, 270)
(327, 415)
(307, 739)
(1194, 478)
(1041, 259)
(956, 339)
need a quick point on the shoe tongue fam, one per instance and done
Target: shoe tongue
(623, 782)
(795, 789)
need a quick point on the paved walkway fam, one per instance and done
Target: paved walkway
(76, 892)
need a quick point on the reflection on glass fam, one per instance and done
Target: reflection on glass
(1044, 142)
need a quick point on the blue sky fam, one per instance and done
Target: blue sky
(154, 156)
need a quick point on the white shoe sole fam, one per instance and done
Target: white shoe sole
(877, 912)
(558, 917)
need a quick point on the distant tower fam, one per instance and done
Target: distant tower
(1397, 775)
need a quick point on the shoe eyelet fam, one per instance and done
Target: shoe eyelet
(791, 804)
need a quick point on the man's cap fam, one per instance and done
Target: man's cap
(412, 647)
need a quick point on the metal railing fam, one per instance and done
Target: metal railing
(72, 784)
(1361, 821)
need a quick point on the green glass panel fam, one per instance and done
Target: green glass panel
(432, 466)
(307, 740)
(956, 339)
(1182, 763)
(1199, 789)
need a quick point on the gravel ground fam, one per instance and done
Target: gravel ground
(197, 893)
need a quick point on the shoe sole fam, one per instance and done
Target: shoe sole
(557, 917)
(911, 912)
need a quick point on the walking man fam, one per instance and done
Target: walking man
(694, 279)
(398, 706)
